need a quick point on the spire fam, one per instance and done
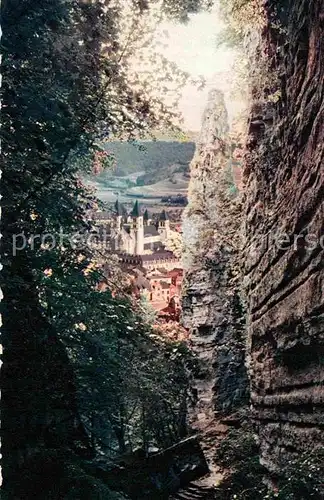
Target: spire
(119, 208)
(135, 212)
(146, 216)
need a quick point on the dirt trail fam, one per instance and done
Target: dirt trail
(204, 488)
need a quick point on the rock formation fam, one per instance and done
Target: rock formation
(284, 214)
(211, 304)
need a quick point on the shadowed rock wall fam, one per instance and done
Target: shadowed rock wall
(211, 305)
(284, 213)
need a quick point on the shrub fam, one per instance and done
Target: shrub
(238, 446)
(303, 478)
(55, 474)
(239, 453)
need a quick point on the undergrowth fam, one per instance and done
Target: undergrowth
(301, 479)
(239, 453)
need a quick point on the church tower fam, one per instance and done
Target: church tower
(137, 229)
(164, 225)
(146, 217)
(119, 215)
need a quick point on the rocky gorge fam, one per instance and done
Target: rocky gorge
(253, 296)
(284, 281)
(99, 402)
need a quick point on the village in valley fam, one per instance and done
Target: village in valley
(139, 238)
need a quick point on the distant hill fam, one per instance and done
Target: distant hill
(149, 156)
(172, 173)
(168, 136)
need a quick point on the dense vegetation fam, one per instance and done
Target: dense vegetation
(86, 380)
(81, 373)
(238, 453)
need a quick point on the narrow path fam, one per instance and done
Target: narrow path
(204, 488)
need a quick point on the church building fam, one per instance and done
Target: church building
(135, 233)
(140, 242)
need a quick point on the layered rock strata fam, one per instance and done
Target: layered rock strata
(284, 214)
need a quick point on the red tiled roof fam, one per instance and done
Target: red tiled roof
(158, 256)
(162, 270)
(175, 272)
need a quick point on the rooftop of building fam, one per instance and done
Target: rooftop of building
(163, 255)
(152, 246)
(157, 277)
(177, 271)
(100, 215)
(150, 230)
(127, 229)
(164, 285)
(164, 216)
(120, 209)
(162, 270)
(136, 210)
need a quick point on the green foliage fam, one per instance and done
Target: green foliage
(233, 191)
(238, 445)
(241, 17)
(301, 479)
(55, 474)
(230, 37)
(229, 182)
(151, 157)
(238, 452)
(80, 369)
(180, 10)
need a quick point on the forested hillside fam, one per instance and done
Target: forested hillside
(148, 156)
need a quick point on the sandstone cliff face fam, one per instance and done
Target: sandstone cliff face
(211, 305)
(284, 213)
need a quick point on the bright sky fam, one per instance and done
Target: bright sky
(193, 48)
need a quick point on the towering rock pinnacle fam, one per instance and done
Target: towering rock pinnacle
(211, 305)
(214, 121)
(208, 163)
